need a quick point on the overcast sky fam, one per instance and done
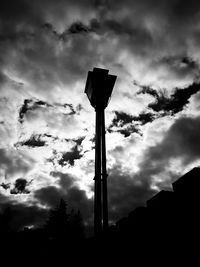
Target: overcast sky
(47, 124)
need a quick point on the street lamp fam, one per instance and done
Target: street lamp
(99, 86)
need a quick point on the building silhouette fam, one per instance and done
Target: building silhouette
(167, 227)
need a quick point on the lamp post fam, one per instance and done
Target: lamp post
(99, 86)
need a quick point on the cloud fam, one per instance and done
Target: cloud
(78, 27)
(39, 119)
(3, 79)
(22, 215)
(165, 160)
(35, 13)
(20, 187)
(122, 123)
(34, 141)
(5, 185)
(126, 193)
(173, 104)
(31, 105)
(127, 124)
(181, 140)
(70, 192)
(46, 49)
(141, 26)
(121, 118)
(52, 60)
(15, 162)
(49, 195)
(70, 157)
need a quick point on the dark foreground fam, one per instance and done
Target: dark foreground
(166, 231)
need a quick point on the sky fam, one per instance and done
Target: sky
(47, 124)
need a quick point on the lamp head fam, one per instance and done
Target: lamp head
(99, 86)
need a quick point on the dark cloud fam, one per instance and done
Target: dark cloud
(127, 124)
(34, 141)
(51, 136)
(189, 62)
(181, 65)
(49, 195)
(173, 104)
(147, 90)
(144, 118)
(65, 180)
(31, 215)
(180, 142)
(27, 216)
(51, 115)
(127, 131)
(5, 185)
(78, 27)
(72, 110)
(126, 193)
(26, 13)
(22, 215)
(14, 13)
(71, 156)
(79, 140)
(121, 119)
(123, 123)
(24, 109)
(20, 187)
(74, 196)
(31, 105)
(48, 27)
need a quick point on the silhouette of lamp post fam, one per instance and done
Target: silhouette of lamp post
(99, 86)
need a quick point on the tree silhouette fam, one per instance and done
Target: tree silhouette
(57, 225)
(76, 225)
(63, 226)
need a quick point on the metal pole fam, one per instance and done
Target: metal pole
(104, 174)
(97, 193)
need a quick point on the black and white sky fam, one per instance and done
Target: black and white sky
(47, 124)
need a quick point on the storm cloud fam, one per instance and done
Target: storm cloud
(126, 193)
(181, 140)
(70, 192)
(180, 143)
(22, 215)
